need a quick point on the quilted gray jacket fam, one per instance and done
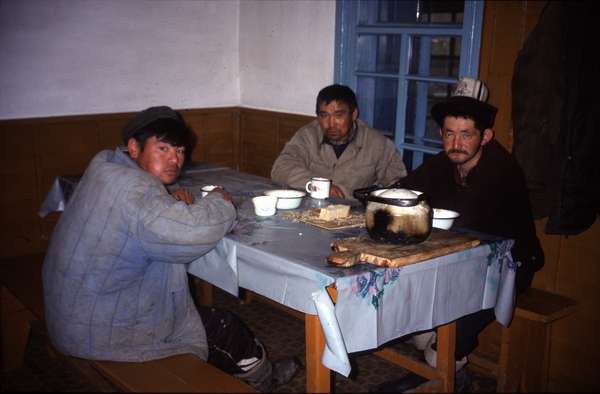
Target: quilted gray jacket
(370, 159)
(115, 274)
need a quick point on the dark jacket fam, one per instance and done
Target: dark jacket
(494, 201)
(556, 91)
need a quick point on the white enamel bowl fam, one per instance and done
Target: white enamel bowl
(443, 218)
(287, 198)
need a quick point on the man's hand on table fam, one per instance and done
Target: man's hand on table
(224, 193)
(184, 195)
(335, 191)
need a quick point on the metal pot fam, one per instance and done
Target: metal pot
(398, 216)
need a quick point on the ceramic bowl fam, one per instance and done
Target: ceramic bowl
(444, 218)
(265, 205)
(287, 198)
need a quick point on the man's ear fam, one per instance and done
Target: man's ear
(355, 114)
(133, 148)
(488, 134)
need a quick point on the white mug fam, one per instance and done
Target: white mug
(318, 187)
(265, 205)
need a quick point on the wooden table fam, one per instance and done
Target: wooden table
(318, 377)
(262, 253)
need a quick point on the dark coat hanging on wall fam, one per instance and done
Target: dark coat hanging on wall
(555, 113)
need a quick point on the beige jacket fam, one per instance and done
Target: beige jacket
(369, 159)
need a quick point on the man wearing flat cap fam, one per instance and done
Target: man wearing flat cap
(115, 274)
(478, 178)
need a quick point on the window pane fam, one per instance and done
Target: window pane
(372, 12)
(435, 56)
(377, 98)
(421, 129)
(408, 157)
(378, 53)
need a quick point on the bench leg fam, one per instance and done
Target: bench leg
(535, 377)
(523, 363)
(15, 322)
(513, 346)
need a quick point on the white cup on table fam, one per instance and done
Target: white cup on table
(318, 187)
(265, 205)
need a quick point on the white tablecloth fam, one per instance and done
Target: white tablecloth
(286, 262)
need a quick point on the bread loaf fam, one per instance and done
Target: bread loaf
(335, 211)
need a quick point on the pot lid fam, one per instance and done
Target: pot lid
(404, 194)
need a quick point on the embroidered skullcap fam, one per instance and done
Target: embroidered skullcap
(468, 99)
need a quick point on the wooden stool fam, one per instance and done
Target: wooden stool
(524, 345)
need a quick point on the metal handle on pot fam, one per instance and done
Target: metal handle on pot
(401, 202)
(362, 194)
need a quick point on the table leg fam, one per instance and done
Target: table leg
(204, 291)
(446, 345)
(318, 377)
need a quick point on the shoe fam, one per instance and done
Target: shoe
(284, 370)
(420, 341)
(431, 357)
(405, 383)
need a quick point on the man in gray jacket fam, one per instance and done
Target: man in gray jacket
(338, 146)
(115, 274)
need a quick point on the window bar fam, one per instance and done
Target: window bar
(471, 38)
(404, 53)
(421, 98)
(368, 85)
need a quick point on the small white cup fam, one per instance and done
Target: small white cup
(208, 188)
(265, 205)
(318, 187)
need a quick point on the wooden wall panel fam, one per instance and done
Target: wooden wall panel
(35, 151)
(259, 149)
(287, 128)
(575, 343)
(109, 129)
(506, 25)
(217, 134)
(19, 226)
(64, 146)
(263, 135)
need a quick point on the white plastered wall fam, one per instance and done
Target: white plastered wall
(286, 53)
(69, 57)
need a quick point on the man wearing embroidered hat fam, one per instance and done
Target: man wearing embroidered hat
(477, 177)
(115, 274)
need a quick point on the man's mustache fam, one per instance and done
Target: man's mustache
(457, 151)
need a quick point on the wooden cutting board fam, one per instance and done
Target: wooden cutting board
(356, 250)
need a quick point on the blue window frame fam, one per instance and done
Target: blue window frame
(403, 56)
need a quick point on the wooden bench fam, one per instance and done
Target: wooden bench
(22, 303)
(524, 346)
